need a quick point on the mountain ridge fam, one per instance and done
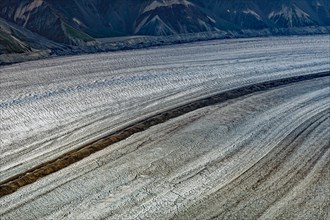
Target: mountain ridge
(67, 23)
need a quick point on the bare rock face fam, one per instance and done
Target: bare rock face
(74, 22)
(160, 18)
(41, 17)
(36, 16)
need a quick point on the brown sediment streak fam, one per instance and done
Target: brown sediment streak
(14, 183)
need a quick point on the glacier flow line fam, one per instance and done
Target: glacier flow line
(13, 183)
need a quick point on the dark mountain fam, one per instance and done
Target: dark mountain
(257, 14)
(79, 22)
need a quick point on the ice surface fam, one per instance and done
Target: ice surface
(51, 106)
(264, 155)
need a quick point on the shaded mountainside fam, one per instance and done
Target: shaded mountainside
(80, 22)
(257, 14)
(20, 44)
(14, 38)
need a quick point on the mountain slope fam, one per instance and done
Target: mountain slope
(277, 14)
(43, 18)
(79, 22)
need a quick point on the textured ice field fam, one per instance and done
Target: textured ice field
(51, 106)
(261, 156)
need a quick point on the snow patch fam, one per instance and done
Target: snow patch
(165, 3)
(211, 19)
(23, 9)
(77, 21)
(251, 12)
(161, 27)
(289, 13)
(141, 24)
(205, 25)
